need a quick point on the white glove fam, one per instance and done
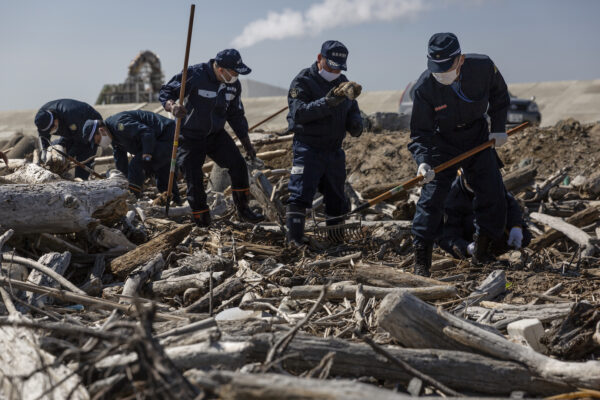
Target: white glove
(427, 172)
(471, 248)
(515, 237)
(500, 137)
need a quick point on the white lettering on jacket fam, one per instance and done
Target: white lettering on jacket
(207, 93)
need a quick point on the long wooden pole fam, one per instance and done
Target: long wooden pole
(181, 97)
(267, 119)
(414, 181)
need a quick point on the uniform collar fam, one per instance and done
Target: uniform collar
(211, 70)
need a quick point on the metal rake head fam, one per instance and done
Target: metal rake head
(339, 233)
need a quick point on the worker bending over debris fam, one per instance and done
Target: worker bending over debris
(321, 109)
(65, 118)
(213, 95)
(145, 135)
(459, 223)
(448, 118)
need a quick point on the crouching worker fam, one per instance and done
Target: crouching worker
(65, 118)
(322, 109)
(459, 223)
(144, 134)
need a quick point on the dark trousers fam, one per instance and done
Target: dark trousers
(489, 203)
(221, 148)
(158, 166)
(322, 170)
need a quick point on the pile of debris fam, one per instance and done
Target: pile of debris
(103, 296)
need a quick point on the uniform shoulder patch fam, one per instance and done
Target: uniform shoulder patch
(293, 93)
(73, 127)
(121, 127)
(495, 69)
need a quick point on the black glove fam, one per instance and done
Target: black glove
(250, 152)
(178, 110)
(332, 100)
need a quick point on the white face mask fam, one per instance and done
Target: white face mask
(231, 79)
(105, 141)
(446, 78)
(329, 76)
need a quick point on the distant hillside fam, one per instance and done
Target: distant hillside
(251, 88)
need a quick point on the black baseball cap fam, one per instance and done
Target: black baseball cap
(44, 120)
(443, 48)
(335, 53)
(231, 59)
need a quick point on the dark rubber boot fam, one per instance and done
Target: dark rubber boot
(201, 218)
(244, 212)
(294, 221)
(482, 255)
(423, 259)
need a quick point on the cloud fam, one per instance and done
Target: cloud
(325, 15)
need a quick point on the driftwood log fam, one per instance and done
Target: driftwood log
(500, 315)
(572, 232)
(244, 386)
(341, 290)
(163, 243)
(515, 180)
(261, 190)
(139, 276)
(492, 286)
(580, 219)
(380, 275)
(453, 368)
(55, 261)
(178, 284)
(31, 174)
(226, 290)
(417, 324)
(62, 207)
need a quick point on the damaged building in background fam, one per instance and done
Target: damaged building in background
(142, 84)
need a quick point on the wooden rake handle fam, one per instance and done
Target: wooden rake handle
(414, 181)
(181, 98)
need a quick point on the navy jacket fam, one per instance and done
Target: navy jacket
(459, 218)
(209, 103)
(71, 115)
(138, 132)
(310, 118)
(450, 119)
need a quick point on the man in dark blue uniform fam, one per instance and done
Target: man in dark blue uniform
(65, 118)
(319, 119)
(448, 118)
(213, 96)
(145, 135)
(459, 223)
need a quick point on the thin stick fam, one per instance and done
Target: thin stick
(79, 298)
(402, 364)
(74, 161)
(253, 127)
(181, 97)
(45, 270)
(285, 340)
